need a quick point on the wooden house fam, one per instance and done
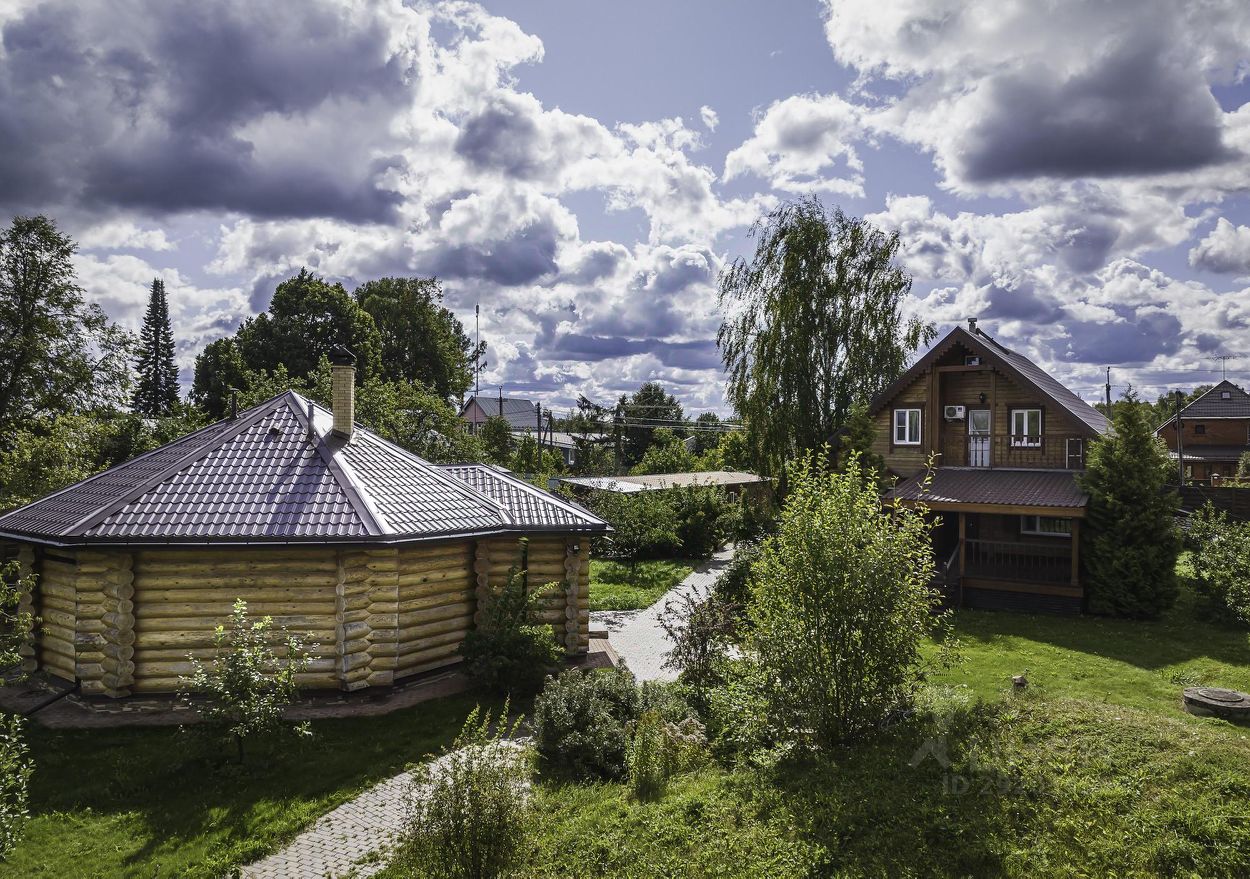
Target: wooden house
(1006, 441)
(1211, 435)
(379, 557)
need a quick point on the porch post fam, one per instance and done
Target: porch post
(963, 530)
(1076, 552)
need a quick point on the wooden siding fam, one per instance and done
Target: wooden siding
(436, 604)
(963, 386)
(57, 609)
(1216, 432)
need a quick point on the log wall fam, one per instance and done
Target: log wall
(122, 623)
(181, 596)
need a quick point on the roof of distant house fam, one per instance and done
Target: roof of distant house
(975, 485)
(1225, 400)
(516, 411)
(258, 478)
(660, 481)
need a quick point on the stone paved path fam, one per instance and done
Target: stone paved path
(641, 641)
(352, 840)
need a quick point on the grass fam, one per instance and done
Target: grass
(625, 586)
(142, 803)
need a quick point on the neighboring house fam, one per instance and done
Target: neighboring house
(1007, 441)
(735, 484)
(1214, 434)
(378, 557)
(520, 414)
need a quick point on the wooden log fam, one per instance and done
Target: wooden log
(184, 668)
(429, 666)
(55, 602)
(425, 656)
(238, 556)
(241, 585)
(414, 634)
(434, 614)
(220, 611)
(354, 661)
(208, 653)
(227, 595)
(434, 575)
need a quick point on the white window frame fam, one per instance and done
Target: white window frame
(1024, 439)
(907, 425)
(1032, 526)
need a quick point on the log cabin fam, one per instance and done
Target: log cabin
(377, 556)
(1211, 435)
(1006, 441)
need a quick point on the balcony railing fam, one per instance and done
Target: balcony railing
(1022, 562)
(1050, 451)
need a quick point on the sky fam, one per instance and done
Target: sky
(1073, 174)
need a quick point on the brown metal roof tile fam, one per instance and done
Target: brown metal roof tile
(1016, 488)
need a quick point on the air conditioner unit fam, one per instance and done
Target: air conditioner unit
(953, 413)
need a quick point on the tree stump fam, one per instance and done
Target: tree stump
(1214, 702)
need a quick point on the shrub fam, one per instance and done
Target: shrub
(15, 770)
(701, 628)
(581, 723)
(1221, 562)
(509, 651)
(660, 749)
(733, 586)
(705, 519)
(644, 525)
(468, 811)
(841, 607)
(1131, 542)
(248, 683)
(16, 624)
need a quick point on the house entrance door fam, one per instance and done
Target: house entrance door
(978, 437)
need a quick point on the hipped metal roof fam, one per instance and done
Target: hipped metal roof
(257, 478)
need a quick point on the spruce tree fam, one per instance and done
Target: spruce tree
(1131, 538)
(156, 392)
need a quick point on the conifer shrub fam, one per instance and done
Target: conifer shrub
(1130, 539)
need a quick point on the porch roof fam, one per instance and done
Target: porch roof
(1222, 454)
(1043, 492)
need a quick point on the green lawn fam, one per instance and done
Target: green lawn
(624, 586)
(1093, 770)
(139, 803)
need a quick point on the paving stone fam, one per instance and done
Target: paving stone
(641, 641)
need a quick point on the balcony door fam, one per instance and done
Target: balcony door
(979, 437)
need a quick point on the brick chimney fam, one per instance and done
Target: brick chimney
(343, 390)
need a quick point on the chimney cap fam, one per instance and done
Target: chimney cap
(340, 356)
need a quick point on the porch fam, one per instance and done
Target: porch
(1009, 561)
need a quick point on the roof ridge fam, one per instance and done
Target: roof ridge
(342, 472)
(254, 415)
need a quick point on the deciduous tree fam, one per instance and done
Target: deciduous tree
(813, 324)
(57, 352)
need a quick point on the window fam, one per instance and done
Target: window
(1026, 428)
(1200, 430)
(1226, 395)
(906, 427)
(1045, 526)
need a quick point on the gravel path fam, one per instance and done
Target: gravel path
(637, 636)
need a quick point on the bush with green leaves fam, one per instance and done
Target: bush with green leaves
(692, 522)
(705, 519)
(16, 625)
(733, 586)
(15, 771)
(581, 724)
(841, 608)
(1130, 542)
(242, 691)
(1220, 557)
(509, 650)
(469, 810)
(702, 627)
(660, 749)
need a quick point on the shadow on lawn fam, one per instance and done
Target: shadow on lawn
(1179, 636)
(930, 797)
(186, 804)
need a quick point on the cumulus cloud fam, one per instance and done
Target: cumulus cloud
(797, 140)
(1016, 91)
(709, 117)
(1225, 250)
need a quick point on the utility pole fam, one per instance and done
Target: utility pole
(538, 437)
(1108, 391)
(1180, 437)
